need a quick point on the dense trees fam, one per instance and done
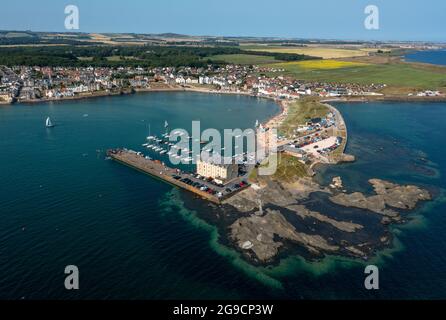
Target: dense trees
(112, 56)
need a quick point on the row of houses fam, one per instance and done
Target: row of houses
(286, 87)
(48, 82)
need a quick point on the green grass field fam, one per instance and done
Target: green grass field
(85, 58)
(244, 59)
(300, 112)
(393, 74)
(289, 169)
(119, 58)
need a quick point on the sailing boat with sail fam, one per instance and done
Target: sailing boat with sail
(166, 128)
(150, 137)
(48, 123)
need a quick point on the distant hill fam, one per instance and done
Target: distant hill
(172, 35)
(24, 37)
(17, 34)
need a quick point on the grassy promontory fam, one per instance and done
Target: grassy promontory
(300, 112)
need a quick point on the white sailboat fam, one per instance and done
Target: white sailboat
(48, 123)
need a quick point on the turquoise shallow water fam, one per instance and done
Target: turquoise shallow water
(61, 203)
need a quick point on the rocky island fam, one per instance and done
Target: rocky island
(388, 195)
(284, 221)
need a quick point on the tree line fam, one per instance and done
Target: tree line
(126, 56)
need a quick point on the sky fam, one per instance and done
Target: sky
(416, 20)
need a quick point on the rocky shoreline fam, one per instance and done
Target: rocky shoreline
(276, 219)
(389, 196)
(284, 221)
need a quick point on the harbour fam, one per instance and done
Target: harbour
(99, 214)
(203, 188)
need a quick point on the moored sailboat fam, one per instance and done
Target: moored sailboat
(48, 123)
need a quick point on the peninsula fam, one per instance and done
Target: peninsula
(275, 216)
(267, 217)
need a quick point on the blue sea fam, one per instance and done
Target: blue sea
(132, 237)
(433, 57)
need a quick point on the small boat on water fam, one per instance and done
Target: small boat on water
(151, 138)
(178, 133)
(163, 151)
(201, 141)
(48, 123)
